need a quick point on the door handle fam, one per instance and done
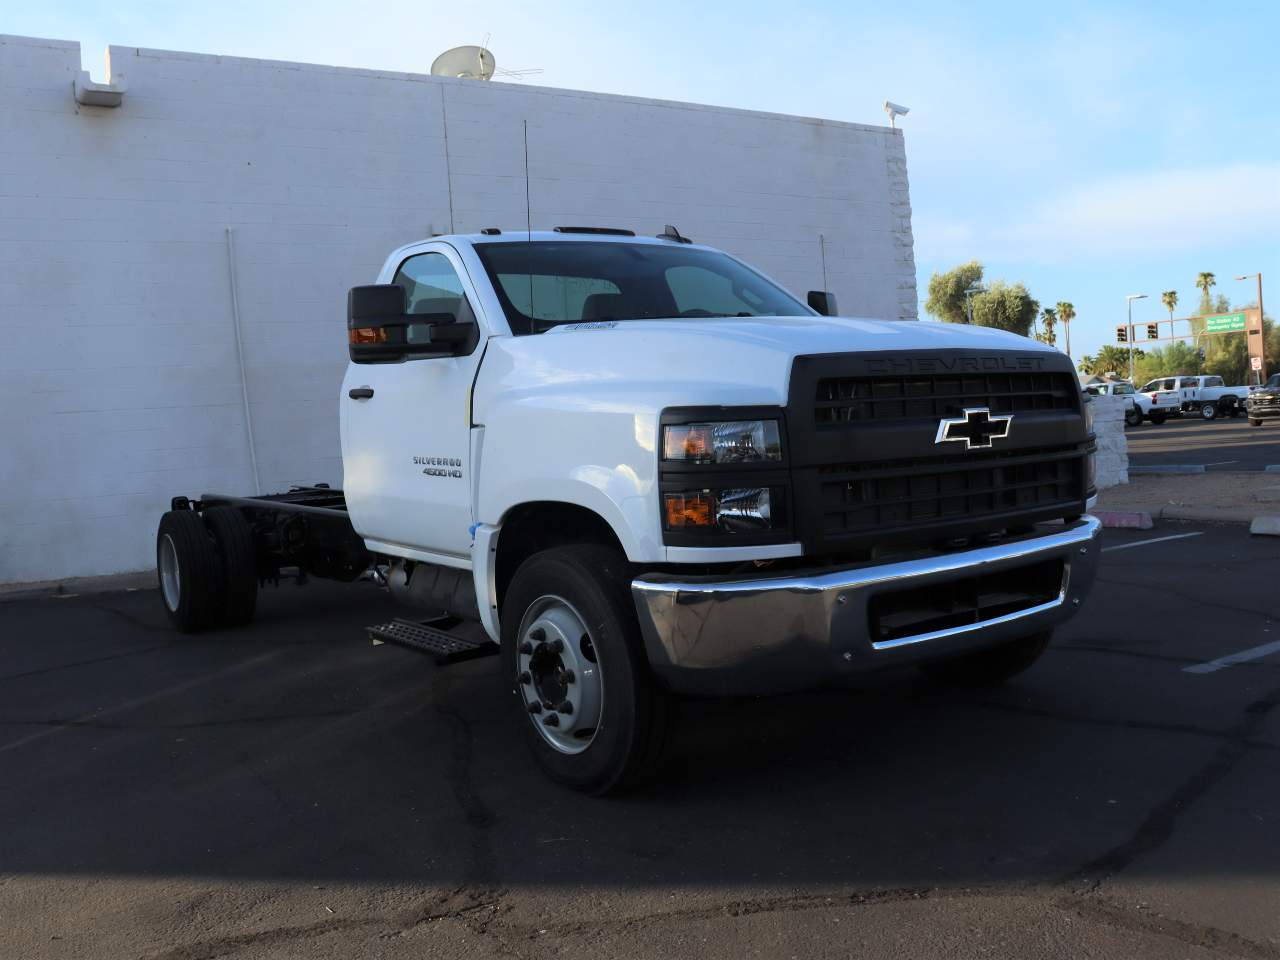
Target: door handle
(360, 393)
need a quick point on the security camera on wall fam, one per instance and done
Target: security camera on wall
(895, 110)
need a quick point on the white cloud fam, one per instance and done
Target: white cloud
(1142, 216)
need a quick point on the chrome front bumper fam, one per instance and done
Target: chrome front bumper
(759, 634)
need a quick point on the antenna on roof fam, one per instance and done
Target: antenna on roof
(465, 63)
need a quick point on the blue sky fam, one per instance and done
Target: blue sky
(1089, 150)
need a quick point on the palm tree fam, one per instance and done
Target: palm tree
(1050, 316)
(1088, 365)
(1170, 300)
(1066, 313)
(1204, 281)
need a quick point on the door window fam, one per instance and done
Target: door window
(432, 287)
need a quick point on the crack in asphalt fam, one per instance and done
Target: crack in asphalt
(1154, 726)
(1158, 825)
(91, 724)
(1098, 909)
(1181, 594)
(83, 663)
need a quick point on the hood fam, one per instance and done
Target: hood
(711, 361)
(794, 336)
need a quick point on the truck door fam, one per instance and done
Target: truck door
(406, 449)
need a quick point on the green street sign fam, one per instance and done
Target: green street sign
(1224, 323)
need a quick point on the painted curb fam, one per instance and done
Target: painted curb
(1273, 468)
(1268, 526)
(1206, 514)
(1158, 468)
(1125, 519)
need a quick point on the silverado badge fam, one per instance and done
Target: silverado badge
(975, 427)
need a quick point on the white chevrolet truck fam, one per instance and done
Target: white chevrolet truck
(636, 467)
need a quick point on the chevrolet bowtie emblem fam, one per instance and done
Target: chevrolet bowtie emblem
(976, 428)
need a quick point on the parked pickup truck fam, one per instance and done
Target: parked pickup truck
(636, 467)
(1155, 406)
(1264, 401)
(1203, 395)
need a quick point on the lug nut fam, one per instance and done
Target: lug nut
(525, 678)
(551, 720)
(526, 648)
(565, 707)
(535, 707)
(537, 635)
(557, 646)
(570, 677)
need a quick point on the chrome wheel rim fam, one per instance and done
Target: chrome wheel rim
(558, 674)
(170, 578)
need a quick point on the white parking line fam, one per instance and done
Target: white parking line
(1143, 543)
(1253, 653)
(1221, 463)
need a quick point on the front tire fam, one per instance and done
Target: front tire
(573, 658)
(1254, 423)
(991, 667)
(190, 571)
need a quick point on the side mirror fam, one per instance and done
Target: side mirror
(824, 302)
(380, 331)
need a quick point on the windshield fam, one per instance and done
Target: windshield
(545, 283)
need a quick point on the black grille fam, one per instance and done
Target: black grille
(880, 398)
(1265, 400)
(894, 496)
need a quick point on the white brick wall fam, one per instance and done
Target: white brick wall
(1113, 447)
(118, 378)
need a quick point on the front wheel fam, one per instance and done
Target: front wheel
(574, 659)
(1254, 423)
(1208, 410)
(1157, 417)
(990, 667)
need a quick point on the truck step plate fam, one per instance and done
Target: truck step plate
(432, 638)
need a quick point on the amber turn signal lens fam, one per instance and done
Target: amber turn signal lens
(367, 335)
(689, 510)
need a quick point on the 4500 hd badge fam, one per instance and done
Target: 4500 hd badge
(439, 466)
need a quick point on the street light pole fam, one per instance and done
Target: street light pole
(968, 298)
(1262, 330)
(1128, 301)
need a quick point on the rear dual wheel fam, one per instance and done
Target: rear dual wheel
(207, 568)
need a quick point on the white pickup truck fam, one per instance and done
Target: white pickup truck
(1155, 406)
(636, 467)
(1207, 396)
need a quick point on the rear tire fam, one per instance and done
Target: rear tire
(190, 571)
(1158, 418)
(990, 667)
(617, 733)
(1133, 417)
(231, 532)
(1208, 410)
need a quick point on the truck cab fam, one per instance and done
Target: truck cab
(645, 469)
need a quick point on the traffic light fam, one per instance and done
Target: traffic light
(1200, 353)
(1122, 335)
(1153, 331)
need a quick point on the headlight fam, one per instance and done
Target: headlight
(728, 442)
(731, 510)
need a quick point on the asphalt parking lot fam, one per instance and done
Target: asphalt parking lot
(1226, 444)
(286, 790)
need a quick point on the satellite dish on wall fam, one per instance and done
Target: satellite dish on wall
(466, 63)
